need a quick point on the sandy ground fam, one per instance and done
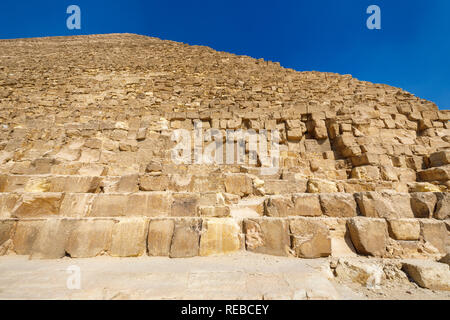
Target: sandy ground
(238, 276)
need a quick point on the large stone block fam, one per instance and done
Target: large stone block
(7, 228)
(7, 204)
(423, 204)
(186, 236)
(160, 233)
(267, 236)
(25, 234)
(108, 205)
(240, 184)
(32, 205)
(76, 205)
(219, 236)
(278, 206)
(404, 229)
(321, 186)
(154, 182)
(51, 239)
(369, 236)
(129, 237)
(429, 274)
(90, 238)
(338, 204)
(74, 184)
(440, 158)
(435, 174)
(310, 238)
(184, 205)
(306, 205)
(390, 205)
(435, 233)
(442, 210)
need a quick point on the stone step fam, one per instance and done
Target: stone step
(386, 204)
(242, 184)
(304, 237)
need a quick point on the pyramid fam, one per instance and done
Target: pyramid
(89, 163)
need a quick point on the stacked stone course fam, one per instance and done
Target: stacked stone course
(86, 167)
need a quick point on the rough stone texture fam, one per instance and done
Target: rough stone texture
(435, 233)
(90, 238)
(219, 236)
(128, 238)
(384, 204)
(310, 239)
(429, 274)
(160, 233)
(404, 229)
(338, 204)
(368, 235)
(186, 238)
(86, 145)
(267, 236)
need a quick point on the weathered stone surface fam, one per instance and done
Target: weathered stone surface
(404, 229)
(76, 205)
(429, 274)
(384, 204)
(368, 274)
(129, 237)
(267, 236)
(310, 238)
(423, 204)
(338, 204)
(278, 206)
(184, 205)
(442, 210)
(219, 236)
(186, 238)
(7, 204)
(306, 205)
(25, 234)
(90, 238)
(7, 229)
(215, 211)
(153, 183)
(368, 235)
(440, 158)
(435, 233)
(435, 174)
(160, 233)
(239, 184)
(51, 239)
(321, 186)
(33, 205)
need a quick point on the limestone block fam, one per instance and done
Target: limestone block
(129, 237)
(306, 205)
(128, 183)
(51, 239)
(384, 204)
(310, 238)
(435, 174)
(429, 274)
(435, 233)
(7, 229)
(31, 205)
(239, 184)
(214, 211)
(267, 236)
(442, 210)
(278, 206)
(184, 205)
(108, 205)
(76, 204)
(367, 173)
(338, 204)
(321, 186)
(440, 158)
(25, 234)
(404, 229)
(73, 184)
(285, 186)
(160, 233)
(7, 204)
(153, 182)
(362, 272)
(219, 236)
(423, 204)
(90, 238)
(369, 236)
(186, 236)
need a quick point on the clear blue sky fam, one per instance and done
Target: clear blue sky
(411, 51)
